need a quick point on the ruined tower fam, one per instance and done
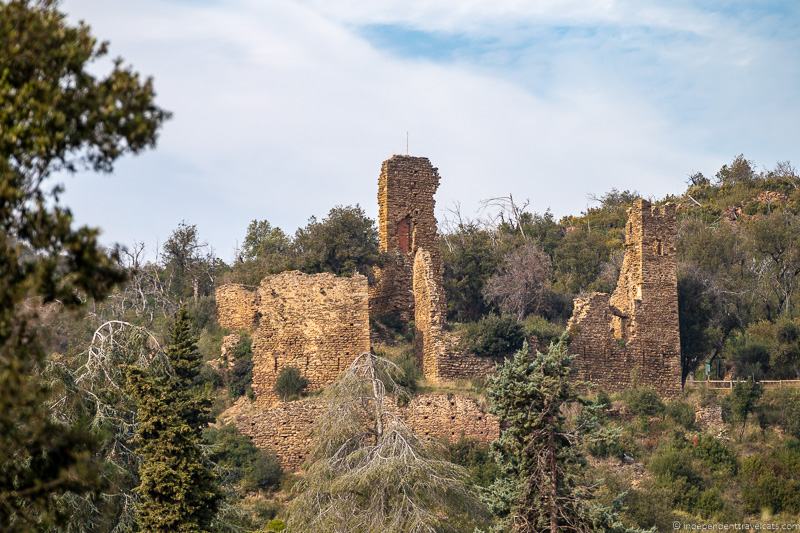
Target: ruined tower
(406, 224)
(632, 336)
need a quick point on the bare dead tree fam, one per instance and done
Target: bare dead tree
(509, 211)
(370, 473)
(521, 284)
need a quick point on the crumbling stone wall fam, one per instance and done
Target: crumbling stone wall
(429, 315)
(318, 323)
(406, 223)
(438, 351)
(450, 417)
(236, 306)
(633, 334)
(287, 428)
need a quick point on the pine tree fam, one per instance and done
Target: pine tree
(177, 489)
(540, 487)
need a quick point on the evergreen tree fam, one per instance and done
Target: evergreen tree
(177, 489)
(540, 487)
(54, 116)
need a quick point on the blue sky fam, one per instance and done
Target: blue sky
(286, 108)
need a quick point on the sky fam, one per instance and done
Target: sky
(286, 108)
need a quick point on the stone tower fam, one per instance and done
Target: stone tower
(632, 336)
(406, 224)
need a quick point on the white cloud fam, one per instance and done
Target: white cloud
(282, 111)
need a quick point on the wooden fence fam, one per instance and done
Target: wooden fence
(727, 384)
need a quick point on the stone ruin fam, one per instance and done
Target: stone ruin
(410, 283)
(317, 323)
(287, 428)
(320, 323)
(632, 336)
(406, 224)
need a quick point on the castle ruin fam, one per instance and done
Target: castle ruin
(632, 336)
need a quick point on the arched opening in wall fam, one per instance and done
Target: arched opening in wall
(658, 247)
(404, 235)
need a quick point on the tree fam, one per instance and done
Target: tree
(521, 284)
(470, 257)
(188, 265)
(177, 489)
(776, 247)
(743, 400)
(54, 116)
(370, 473)
(266, 250)
(540, 487)
(345, 242)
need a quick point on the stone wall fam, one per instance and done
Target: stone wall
(318, 323)
(450, 417)
(429, 314)
(633, 334)
(287, 428)
(236, 306)
(406, 223)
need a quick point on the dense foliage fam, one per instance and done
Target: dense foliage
(55, 115)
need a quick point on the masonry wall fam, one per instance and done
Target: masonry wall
(317, 323)
(406, 223)
(632, 336)
(287, 427)
(236, 306)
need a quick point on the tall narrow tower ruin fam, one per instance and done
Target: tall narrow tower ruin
(632, 336)
(406, 224)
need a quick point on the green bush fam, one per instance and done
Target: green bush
(240, 462)
(770, 480)
(240, 375)
(643, 401)
(714, 454)
(681, 412)
(670, 463)
(290, 383)
(781, 407)
(276, 525)
(410, 372)
(493, 336)
(545, 331)
(606, 442)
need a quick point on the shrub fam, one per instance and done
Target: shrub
(410, 372)
(240, 375)
(546, 332)
(276, 525)
(493, 336)
(714, 454)
(681, 412)
(643, 402)
(782, 407)
(770, 480)
(606, 442)
(670, 463)
(239, 461)
(290, 383)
